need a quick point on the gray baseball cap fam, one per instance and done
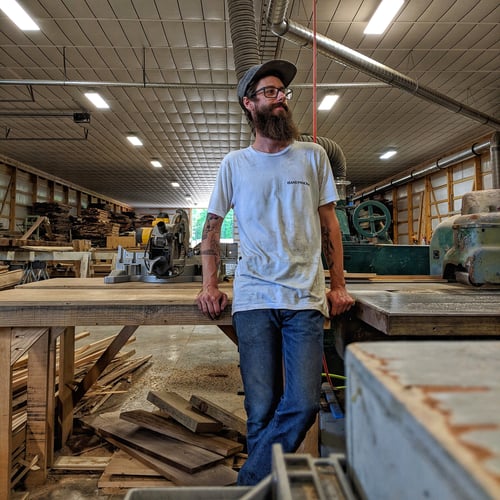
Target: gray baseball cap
(284, 70)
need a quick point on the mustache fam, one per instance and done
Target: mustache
(280, 105)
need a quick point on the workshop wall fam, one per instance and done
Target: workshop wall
(420, 205)
(22, 186)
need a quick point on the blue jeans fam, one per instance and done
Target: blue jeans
(280, 362)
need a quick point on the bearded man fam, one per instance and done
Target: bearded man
(283, 195)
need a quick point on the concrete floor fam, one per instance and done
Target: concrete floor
(185, 359)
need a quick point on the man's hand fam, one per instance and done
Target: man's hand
(211, 301)
(339, 301)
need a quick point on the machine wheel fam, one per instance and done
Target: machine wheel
(371, 218)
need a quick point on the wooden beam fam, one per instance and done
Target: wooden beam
(222, 415)
(180, 409)
(40, 408)
(39, 221)
(5, 412)
(66, 376)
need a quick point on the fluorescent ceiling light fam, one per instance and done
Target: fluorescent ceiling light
(156, 163)
(134, 140)
(175, 184)
(388, 154)
(328, 101)
(383, 16)
(18, 15)
(96, 100)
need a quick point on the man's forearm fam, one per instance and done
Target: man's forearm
(331, 240)
(334, 256)
(210, 250)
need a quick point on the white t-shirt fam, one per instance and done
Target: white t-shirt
(276, 199)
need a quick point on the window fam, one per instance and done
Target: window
(198, 217)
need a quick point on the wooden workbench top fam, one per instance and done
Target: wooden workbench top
(392, 308)
(103, 306)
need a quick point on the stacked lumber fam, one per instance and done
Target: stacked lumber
(95, 224)
(59, 217)
(125, 221)
(182, 444)
(113, 380)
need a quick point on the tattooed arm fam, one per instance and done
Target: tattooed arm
(331, 239)
(211, 301)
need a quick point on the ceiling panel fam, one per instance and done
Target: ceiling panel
(187, 114)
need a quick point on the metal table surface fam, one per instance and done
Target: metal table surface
(424, 419)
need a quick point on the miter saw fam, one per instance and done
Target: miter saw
(165, 258)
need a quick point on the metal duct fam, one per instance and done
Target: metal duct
(334, 152)
(301, 35)
(246, 54)
(243, 35)
(447, 161)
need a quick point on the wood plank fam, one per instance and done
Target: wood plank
(123, 463)
(10, 278)
(127, 367)
(79, 283)
(310, 443)
(40, 408)
(23, 339)
(180, 410)
(218, 475)
(181, 455)
(65, 392)
(80, 463)
(124, 472)
(5, 411)
(222, 415)
(116, 485)
(167, 427)
(93, 374)
(69, 307)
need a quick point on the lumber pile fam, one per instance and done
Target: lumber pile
(59, 217)
(177, 444)
(98, 223)
(95, 224)
(113, 380)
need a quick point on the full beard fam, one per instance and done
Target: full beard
(278, 127)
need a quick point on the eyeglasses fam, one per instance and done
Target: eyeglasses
(272, 92)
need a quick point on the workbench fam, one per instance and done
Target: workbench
(34, 315)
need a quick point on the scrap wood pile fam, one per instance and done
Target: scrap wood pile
(114, 379)
(181, 443)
